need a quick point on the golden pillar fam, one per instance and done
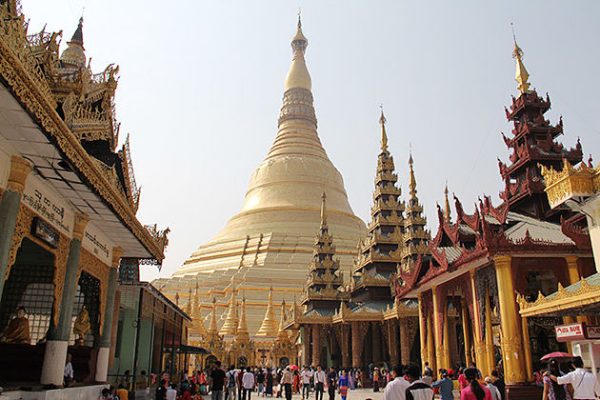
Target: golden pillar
(431, 343)
(465, 328)
(404, 341)
(490, 355)
(440, 331)
(527, 348)
(512, 347)
(480, 358)
(574, 277)
(423, 332)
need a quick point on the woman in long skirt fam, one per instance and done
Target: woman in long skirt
(351, 380)
(343, 385)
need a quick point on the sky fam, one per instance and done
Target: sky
(201, 84)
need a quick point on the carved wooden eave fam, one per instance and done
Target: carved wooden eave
(582, 294)
(22, 75)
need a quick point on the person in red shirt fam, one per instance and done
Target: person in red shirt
(474, 391)
(462, 379)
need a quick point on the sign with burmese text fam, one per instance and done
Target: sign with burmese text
(97, 243)
(45, 203)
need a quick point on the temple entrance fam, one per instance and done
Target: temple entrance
(29, 288)
(284, 362)
(242, 362)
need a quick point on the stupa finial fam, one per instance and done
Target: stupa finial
(412, 182)
(521, 75)
(447, 211)
(298, 76)
(384, 138)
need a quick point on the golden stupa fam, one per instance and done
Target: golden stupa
(269, 243)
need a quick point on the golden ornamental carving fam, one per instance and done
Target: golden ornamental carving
(23, 76)
(569, 182)
(117, 253)
(22, 228)
(60, 270)
(20, 169)
(95, 267)
(81, 221)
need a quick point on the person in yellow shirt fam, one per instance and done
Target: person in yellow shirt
(122, 392)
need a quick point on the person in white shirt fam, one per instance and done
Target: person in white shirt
(396, 389)
(247, 384)
(172, 393)
(69, 373)
(306, 376)
(320, 379)
(585, 385)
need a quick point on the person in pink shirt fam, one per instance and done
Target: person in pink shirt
(474, 391)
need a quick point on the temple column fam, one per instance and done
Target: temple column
(574, 277)
(344, 345)
(305, 345)
(357, 344)
(489, 336)
(514, 371)
(465, 328)
(9, 209)
(376, 342)
(109, 311)
(480, 359)
(423, 331)
(404, 342)
(55, 354)
(527, 348)
(431, 343)
(316, 345)
(440, 329)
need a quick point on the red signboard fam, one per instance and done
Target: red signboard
(592, 332)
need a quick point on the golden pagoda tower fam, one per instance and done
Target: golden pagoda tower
(269, 324)
(269, 242)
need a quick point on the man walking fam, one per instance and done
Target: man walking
(286, 381)
(218, 381)
(306, 376)
(585, 385)
(331, 383)
(418, 390)
(320, 378)
(230, 383)
(396, 389)
(248, 384)
(444, 385)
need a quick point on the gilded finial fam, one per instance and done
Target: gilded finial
(447, 215)
(384, 139)
(521, 75)
(412, 183)
(323, 210)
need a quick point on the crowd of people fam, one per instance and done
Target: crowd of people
(566, 381)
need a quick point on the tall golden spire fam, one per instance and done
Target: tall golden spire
(298, 76)
(268, 327)
(282, 333)
(231, 321)
(212, 330)
(242, 334)
(412, 182)
(447, 212)
(521, 75)
(384, 139)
